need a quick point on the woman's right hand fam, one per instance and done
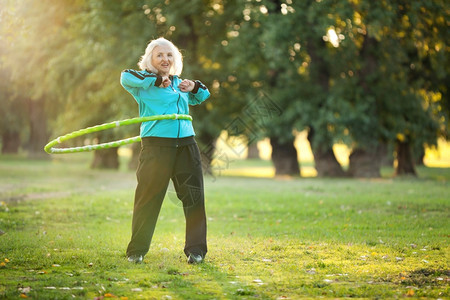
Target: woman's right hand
(165, 82)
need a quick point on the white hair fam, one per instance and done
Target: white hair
(145, 63)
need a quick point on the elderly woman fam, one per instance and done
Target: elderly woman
(168, 149)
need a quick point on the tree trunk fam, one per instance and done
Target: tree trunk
(105, 159)
(387, 154)
(253, 151)
(10, 142)
(38, 129)
(405, 161)
(284, 157)
(419, 155)
(365, 163)
(325, 161)
(134, 160)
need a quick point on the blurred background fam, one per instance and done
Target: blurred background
(319, 88)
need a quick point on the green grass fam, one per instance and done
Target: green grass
(67, 227)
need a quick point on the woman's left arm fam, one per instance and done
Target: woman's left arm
(198, 92)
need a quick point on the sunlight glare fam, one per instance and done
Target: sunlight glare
(332, 37)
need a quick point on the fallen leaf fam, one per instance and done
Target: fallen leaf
(25, 290)
(410, 293)
(23, 296)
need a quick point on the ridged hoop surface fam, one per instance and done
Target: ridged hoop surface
(49, 148)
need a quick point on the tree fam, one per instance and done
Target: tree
(29, 43)
(394, 102)
(11, 118)
(318, 101)
(363, 106)
(425, 32)
(263, 68)
(104, 41)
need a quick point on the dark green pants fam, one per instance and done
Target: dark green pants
(160, 160)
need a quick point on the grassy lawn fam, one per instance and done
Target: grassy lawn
(66, 229)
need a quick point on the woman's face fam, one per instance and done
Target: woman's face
(162, 59)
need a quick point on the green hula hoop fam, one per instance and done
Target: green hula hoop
(49, 148)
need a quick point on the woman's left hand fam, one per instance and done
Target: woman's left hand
(186, 85)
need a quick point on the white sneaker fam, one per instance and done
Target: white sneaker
(137, 259)
(195, 259)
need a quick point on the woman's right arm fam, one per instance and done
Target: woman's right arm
(133, 80)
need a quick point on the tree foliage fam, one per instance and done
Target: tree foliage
(366, 73)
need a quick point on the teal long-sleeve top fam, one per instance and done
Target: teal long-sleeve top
(155, 100)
